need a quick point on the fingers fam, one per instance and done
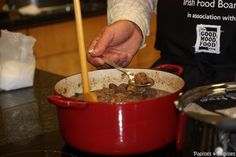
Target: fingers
(120, 59)
(118, 42)
(96, 61)
(97, 48)
(100, 43)
(93, 45)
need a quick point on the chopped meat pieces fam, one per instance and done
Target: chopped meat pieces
(141, 78)
(124, 92)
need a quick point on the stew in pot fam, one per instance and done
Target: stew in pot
(125, 92)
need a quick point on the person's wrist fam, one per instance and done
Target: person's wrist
(139, 33)
(133, 25)
(137, 28)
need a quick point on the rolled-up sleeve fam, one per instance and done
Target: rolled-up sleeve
(137, 11)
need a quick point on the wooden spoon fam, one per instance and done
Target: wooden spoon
(88, 95)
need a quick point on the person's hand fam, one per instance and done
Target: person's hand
(119, 42)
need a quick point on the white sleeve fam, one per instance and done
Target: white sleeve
(137, 11)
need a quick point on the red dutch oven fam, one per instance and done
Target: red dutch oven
(117, 129)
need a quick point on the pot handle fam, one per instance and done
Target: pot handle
(61, 101)
(172, 68)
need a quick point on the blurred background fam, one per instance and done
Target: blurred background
(51, 23)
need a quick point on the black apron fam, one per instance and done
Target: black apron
(200, 36)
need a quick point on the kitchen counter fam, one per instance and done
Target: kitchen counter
(26, 118)
(13, 20)
(29, 124)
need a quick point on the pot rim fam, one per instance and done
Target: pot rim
(68, 102)
(190, 96)
(59, 91)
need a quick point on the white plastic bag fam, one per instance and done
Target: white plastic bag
(17, 61)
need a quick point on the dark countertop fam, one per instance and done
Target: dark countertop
(25, 115)
(29, 124)
(13, 20)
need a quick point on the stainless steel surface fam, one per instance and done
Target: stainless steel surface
(205, 130)
(212, 91)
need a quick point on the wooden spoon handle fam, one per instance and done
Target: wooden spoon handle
(80, 40)
(88, 96)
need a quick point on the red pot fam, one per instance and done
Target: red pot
(117, 129)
